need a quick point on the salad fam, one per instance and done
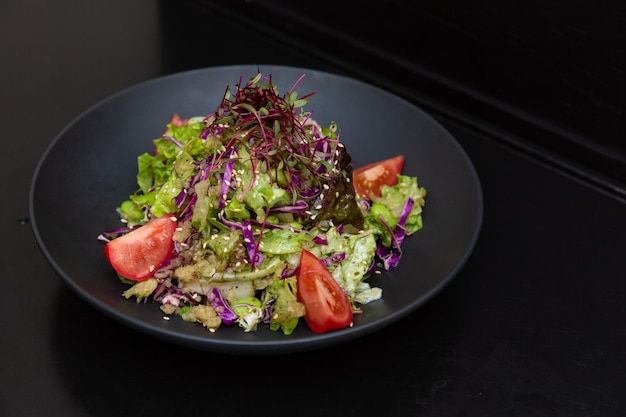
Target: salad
(254, 216)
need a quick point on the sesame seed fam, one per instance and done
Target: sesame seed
(166, 318)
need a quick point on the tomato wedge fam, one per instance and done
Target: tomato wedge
(177, 120)
(137, 254)
(369, 179)
(327, 306)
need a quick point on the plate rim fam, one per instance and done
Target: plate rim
(261, 346)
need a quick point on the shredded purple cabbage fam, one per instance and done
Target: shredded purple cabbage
(174, 141)
(228, 170)
(299, 207)
(399, 232)
(334, 259)
(254, 255)
(389, 258)
(267, 316)
(221, 306)
(288, 272)
(320, 240)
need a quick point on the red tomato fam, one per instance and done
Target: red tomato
(371, 178)
(327, 306)
(137, 254)
(177, 120)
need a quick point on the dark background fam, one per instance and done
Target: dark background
(549, 74)
(533, 324)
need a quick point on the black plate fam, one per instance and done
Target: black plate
(90, 168)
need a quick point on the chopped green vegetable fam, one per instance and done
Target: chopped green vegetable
(252, 184)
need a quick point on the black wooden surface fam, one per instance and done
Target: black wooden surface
(533, 325)
(549, 74)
